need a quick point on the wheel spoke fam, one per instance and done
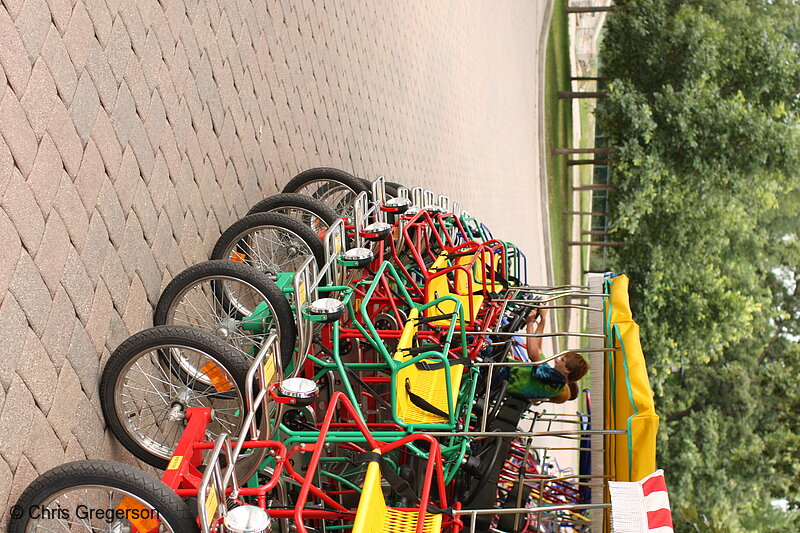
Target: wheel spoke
(147, 417)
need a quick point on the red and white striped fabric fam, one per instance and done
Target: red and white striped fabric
(641, 506)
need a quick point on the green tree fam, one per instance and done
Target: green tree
(733, 429)
(704, 112)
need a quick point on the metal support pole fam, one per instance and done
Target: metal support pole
(558, 334)
(564, 95)
(596, 243)
(587, 213)
(473, 513)
(559, 433)
(577, 162)
(597, 150)
(594, 187)
(591, 9)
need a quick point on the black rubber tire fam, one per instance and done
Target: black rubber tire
(510, 414)
(506, 522)
(290, 200)
(494, 401)
(172, 510)
(333, 187)
(480, 493)
(222, 354)
(392, 188)
(222, 268)
(227, 242)
(325, 174)
(368, 186)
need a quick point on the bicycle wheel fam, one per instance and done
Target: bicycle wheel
(271, 242)
(333, 187)
(80, 496)
(308, 210)
(146, 388)
(478, 480)
(220, 296)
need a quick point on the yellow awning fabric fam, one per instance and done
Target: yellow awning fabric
(628, 396)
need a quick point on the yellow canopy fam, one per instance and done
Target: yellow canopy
(628, 396)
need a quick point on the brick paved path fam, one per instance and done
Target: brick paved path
(133, 131)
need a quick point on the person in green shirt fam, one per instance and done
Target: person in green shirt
(544, 382)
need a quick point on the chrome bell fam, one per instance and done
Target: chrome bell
(397, 205)
(303, 390)
(356, 257)
(377, 231)
(248, 519)
(325, 310)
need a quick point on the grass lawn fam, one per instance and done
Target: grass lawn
(558, 134)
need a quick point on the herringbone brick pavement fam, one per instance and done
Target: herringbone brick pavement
(133, 131)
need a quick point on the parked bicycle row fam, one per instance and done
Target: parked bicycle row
(348, 358)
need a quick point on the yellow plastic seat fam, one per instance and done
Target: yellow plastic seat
(480, 279)
(438, 287)
(439, 264)
(430, 385)
(410, 329)
(373, 516)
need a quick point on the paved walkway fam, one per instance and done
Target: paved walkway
(132, 132)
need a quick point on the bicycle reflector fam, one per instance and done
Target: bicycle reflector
(397, 205)
(356, 258)
(302, 390)
(377, 231)
(248, 519)
(324, 310)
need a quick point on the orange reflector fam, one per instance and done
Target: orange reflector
(218, 379)
(238, 257)
(143, 518)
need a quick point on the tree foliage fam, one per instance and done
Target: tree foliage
(704, 110)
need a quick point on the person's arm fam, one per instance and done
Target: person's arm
(533, 345)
